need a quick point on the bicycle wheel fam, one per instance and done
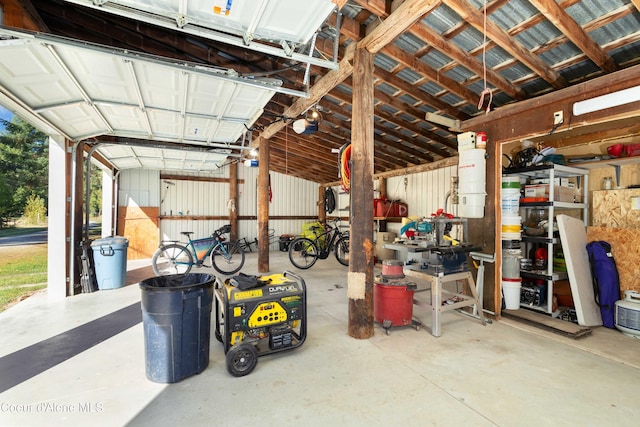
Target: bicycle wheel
(303, 253)
(171, 259)
(227, 258)
(341, 250)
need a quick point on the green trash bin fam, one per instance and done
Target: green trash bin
(176, 317)
(110, 261)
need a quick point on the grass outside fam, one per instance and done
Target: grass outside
(23, 271)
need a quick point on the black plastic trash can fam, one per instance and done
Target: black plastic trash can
(176, 316)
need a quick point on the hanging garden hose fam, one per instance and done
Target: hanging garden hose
(345, 170)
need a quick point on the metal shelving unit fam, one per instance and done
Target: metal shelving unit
(551, 239)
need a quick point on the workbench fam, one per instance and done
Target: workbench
(436, 280)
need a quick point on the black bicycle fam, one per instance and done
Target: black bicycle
(304, 252)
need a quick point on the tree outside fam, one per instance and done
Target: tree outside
(24, 166)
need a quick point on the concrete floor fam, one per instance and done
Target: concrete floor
(504, 374)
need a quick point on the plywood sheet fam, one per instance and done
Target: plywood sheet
(573, 236)
(613, 208)
(140, 226)
(626, 252)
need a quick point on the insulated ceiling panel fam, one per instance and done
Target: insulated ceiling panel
(166, 159)
(85, 91)
(290, 24)
(276, 20)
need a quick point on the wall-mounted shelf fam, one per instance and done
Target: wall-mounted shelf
(615, 163)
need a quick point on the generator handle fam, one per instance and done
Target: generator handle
(303, 325)
(295, 276)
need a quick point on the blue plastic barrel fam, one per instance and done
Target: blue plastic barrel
(176, 316)
(110, 261)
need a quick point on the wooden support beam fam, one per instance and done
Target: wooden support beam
(382, 187)
(534, 117)
(385, 32)
(233, 197)
(501, 38)
(574, 32)
(320, 89)
(444, 163)
(322, 213)
(263, 207)
(360, 277)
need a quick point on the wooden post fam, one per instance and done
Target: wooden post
(360, 277)
(322, 214)
(382, 187)
(263, 206)
(233, 197)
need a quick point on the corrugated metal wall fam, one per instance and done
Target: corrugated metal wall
(424, 192)
(290, 197)
(139, 187)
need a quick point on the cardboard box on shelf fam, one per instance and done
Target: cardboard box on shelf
(560, 193)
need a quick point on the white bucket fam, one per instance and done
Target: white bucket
(511, 236)
(511, 293)
(511, 227)
(510, 206)
(472, 171)
(511, 263)
(511, 183)
(471, 205)
(511, 219)
(510, 195)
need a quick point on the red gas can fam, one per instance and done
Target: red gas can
(393, 302)
(382, 208)
(401, 209)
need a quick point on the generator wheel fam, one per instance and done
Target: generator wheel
(241, 359)
(218, 335)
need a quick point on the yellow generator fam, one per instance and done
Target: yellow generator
(259, 319)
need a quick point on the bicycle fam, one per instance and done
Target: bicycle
(304, 252)
(245, 244)
(175, 258)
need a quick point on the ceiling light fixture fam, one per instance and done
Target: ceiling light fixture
(614, 99)
(310, 122)
(313, 115)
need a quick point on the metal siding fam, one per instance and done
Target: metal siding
(139, 187)
(291, 197)
(247, 199)
(425, 192)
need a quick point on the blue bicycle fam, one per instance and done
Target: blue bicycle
(172, 257)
